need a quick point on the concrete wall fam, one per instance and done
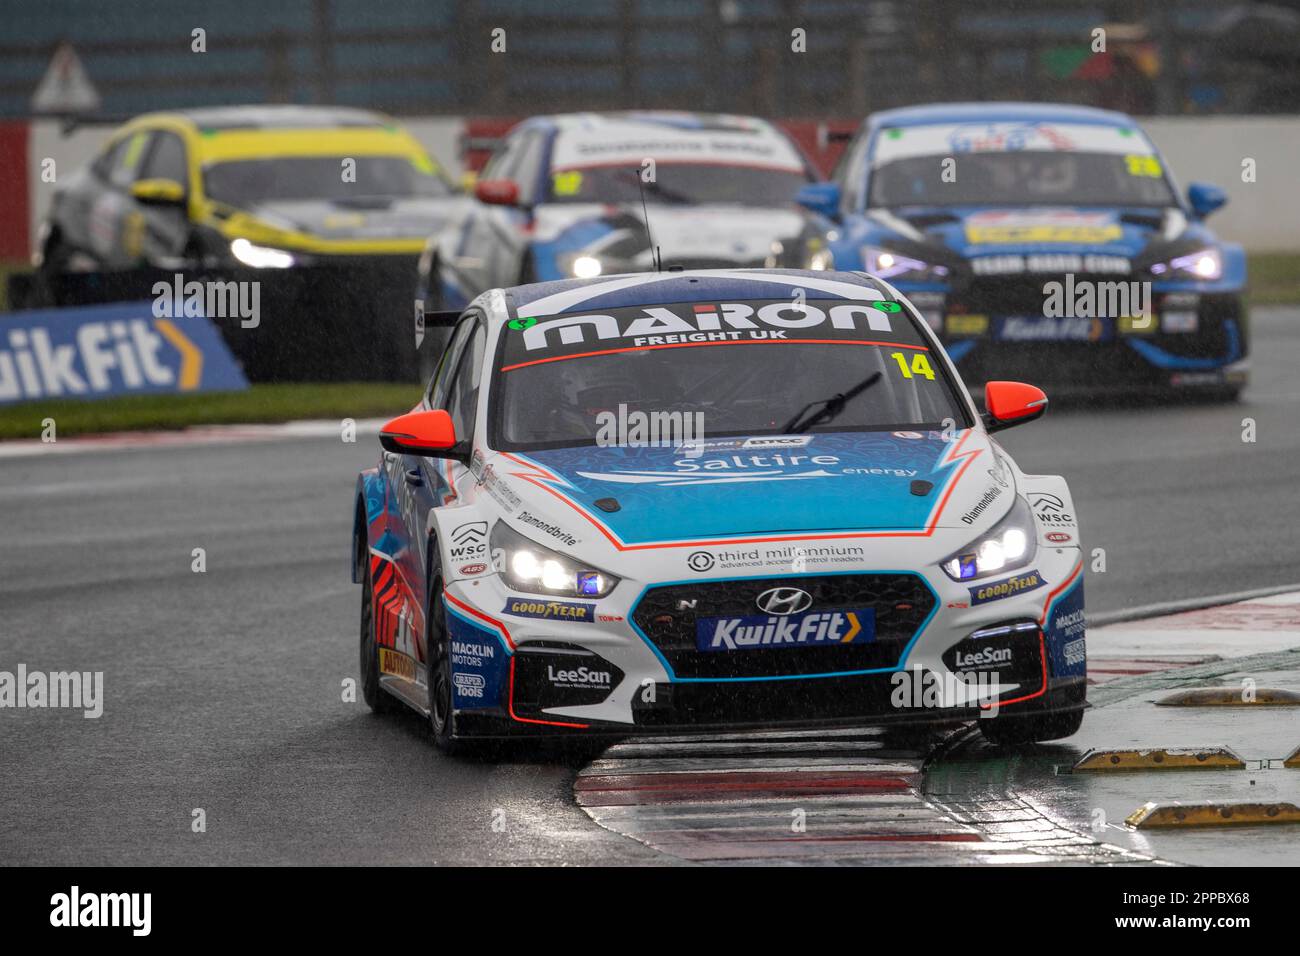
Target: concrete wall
(1263, 215)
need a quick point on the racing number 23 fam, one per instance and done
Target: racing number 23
(920, 365)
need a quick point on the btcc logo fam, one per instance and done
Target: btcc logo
(782, 602)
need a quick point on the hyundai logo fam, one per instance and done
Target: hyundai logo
(783, 601)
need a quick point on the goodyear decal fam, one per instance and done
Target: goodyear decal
(1007, 587)
(100, 351)
(550, 610)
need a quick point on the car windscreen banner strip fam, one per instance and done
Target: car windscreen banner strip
(882, 323)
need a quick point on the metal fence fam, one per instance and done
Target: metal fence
(438, 56)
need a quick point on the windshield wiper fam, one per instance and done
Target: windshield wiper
(830, 407)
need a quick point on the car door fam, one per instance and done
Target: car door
(166, 224)
(851, 176)
(114, 225)
(505, 231)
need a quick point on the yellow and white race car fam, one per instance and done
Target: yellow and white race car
(326, 209)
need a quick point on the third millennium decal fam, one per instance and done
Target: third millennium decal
(1007, 587)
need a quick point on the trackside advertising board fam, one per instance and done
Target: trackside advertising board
(100, 351)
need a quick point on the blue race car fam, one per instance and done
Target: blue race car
(1043, 241)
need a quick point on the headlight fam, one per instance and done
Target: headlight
(821, 260)
(1203, 264)
(260, 257)
(586, 267)
(889, 265)
(527, 566)
(1012, 544)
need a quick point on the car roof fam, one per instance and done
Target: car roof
(273, 117)
(998, 112)
(697, 285)
(680, 119)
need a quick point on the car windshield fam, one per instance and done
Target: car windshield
(1022, 178)
(677, 183)
(248, 182)
(563, 381)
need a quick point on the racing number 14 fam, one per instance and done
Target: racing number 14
(920, 365)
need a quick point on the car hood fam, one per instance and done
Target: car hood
(902, 481)
(966, 232)
(411, 218)
(701, 236)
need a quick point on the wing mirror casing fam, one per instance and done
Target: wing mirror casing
(158, 192)
(1205, 198)
(429, 433)
(821, 198)
(1012, 403)
(497, 192)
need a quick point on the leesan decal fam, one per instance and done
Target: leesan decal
(1007, 587)
(785, 320)
(550, 610)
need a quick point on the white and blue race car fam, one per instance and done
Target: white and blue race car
(713, 498)
(588, 194)
(1046, 240)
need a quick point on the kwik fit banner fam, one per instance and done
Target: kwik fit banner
(103, 350)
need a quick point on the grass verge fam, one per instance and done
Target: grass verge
(1274, 278)
(260, 403)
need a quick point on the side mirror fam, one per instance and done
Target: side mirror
(821, 198)
(427, 433)
(1205, 199)
(497, 192)
(158, 192)
(1012, 403)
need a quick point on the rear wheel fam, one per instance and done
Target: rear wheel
(1011, 731)
(376, 698)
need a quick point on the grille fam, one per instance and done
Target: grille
(901, 603)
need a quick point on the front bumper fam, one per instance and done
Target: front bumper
(630, 666)
(1194, 340)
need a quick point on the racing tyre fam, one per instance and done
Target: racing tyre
(1012, 731)
(376, 698)
(44, 291)
(438, 674)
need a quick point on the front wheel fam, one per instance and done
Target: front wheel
(1010, 731)
(438, 672)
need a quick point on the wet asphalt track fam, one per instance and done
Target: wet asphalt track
(223, 688)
